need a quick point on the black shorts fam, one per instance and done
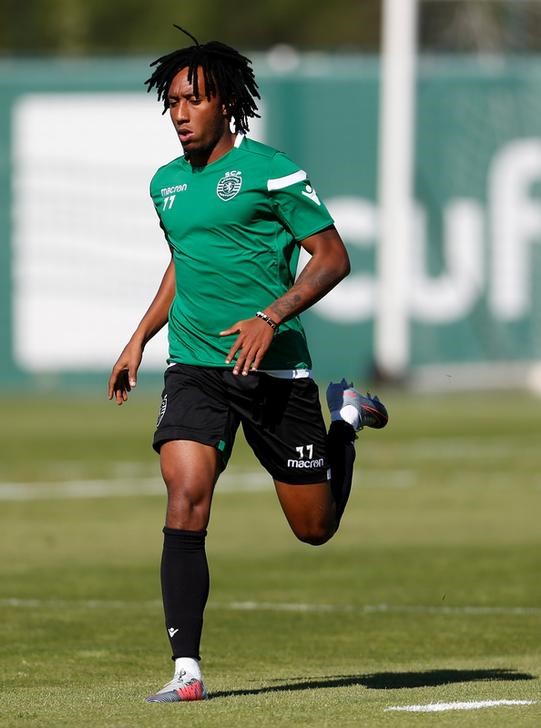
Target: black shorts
(281, 418)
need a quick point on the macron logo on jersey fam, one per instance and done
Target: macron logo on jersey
(166, 191)
(169, 194)
(311, 194)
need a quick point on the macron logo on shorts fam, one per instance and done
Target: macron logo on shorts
(319, 463)
(305, 458)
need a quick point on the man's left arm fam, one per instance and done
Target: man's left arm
(328, 265)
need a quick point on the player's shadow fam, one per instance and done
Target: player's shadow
(384, 681)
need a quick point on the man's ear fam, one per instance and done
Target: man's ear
(227, 109)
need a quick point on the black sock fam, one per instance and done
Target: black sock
(341, 453)
(185, 588)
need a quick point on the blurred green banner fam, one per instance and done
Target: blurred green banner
(82, 254)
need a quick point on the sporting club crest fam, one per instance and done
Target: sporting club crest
(229, 185)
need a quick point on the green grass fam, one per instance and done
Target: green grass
(429, 593)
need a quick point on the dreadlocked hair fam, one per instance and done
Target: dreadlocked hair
(227, 74)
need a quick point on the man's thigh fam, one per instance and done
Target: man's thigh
(194, 408)
(309, 509)
(287, 432)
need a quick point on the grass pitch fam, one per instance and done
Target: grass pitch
(429, 595)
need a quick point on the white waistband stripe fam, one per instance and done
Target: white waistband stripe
(288, 373)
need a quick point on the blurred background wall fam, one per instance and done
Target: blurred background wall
(81, 252)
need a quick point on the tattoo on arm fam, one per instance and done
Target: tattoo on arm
(320, 280)
(310, 286)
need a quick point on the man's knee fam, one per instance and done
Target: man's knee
(314, 534)
(188, 503)
(189, 498)
(309, 509)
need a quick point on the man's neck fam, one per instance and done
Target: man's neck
(224, 145)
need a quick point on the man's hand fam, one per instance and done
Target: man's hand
(252, 343)
(124, 374)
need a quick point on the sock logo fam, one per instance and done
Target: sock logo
(172, 631)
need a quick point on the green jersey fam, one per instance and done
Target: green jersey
(234, 227)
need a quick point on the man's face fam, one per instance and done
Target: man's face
(199, 123)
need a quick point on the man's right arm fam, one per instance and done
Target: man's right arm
(124, 374)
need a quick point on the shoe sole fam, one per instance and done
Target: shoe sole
(189, 693)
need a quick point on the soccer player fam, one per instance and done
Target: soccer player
(235, 214)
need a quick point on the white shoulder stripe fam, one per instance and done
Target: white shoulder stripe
(290, 179)
(238, 140)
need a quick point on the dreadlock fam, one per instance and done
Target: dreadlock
(227, 74)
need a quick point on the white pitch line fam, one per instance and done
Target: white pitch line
(69, 489)
(381, 608)
(232, 481)
(237, 481)
(470, 705)
(78, 603)
(253, 606)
